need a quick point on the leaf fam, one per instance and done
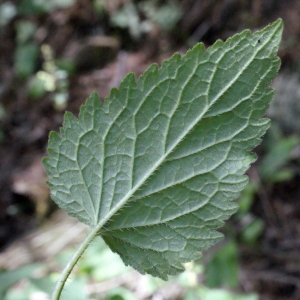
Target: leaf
(25, 59)
(222, 268)
(155, 169)
(10, 277)
(277, 157)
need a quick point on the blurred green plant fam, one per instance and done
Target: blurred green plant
(35, 7)
(26, 53)
(27, 49)
(165, 16)
(9, 278)
(252, 226)
(36, 281)
(7, 12)
(246, 199)
(51, 79)
(274, 165)
(222, 269)
(24, 8)
(128, 18)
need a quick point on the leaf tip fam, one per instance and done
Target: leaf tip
(274, 29)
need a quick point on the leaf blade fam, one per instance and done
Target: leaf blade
(167, 153)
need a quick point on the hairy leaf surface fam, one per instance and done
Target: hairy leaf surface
(156, 167)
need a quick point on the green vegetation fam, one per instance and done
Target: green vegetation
(155, 169)
(103, 269)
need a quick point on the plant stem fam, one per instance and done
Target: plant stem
(71, 264)
(93, 233)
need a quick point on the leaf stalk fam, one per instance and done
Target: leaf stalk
(71, 264)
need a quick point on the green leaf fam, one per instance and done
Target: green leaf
(155, 168)
(222, 294)
(222, 269)
(278, 156)
(25, 59)
(11, 277)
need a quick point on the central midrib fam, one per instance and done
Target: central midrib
(180, 138)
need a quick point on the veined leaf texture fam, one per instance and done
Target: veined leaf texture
(156, 167)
